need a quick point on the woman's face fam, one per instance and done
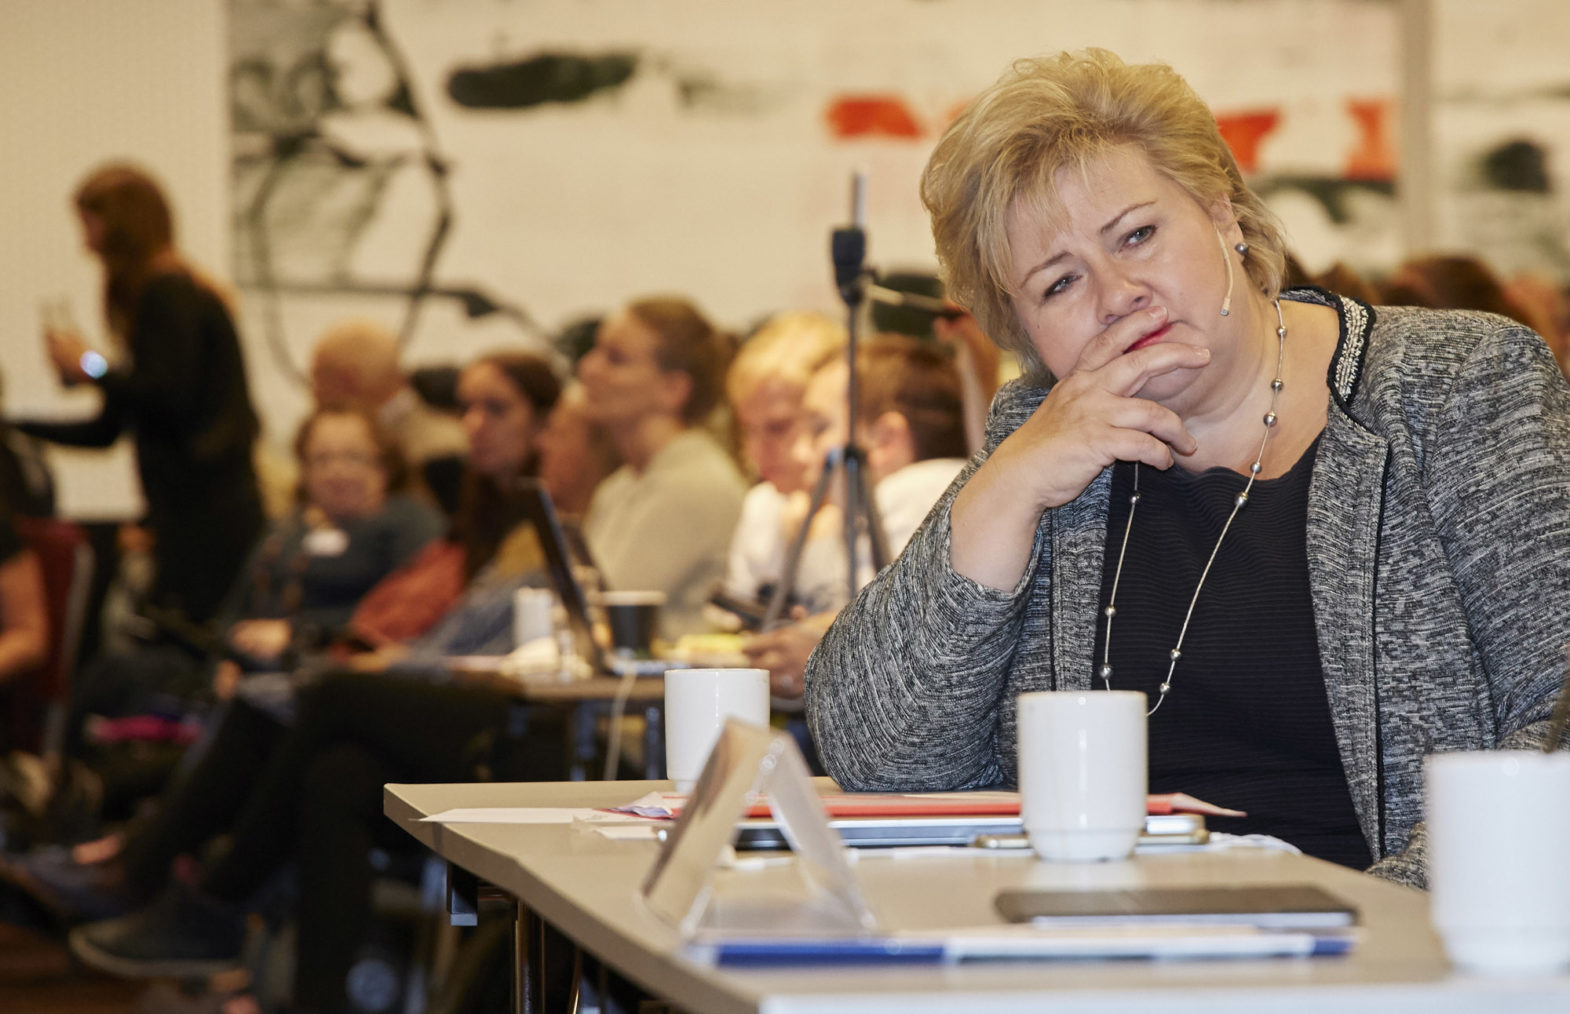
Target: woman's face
(1130, 240)
(341, 469)
(93, 231)
(769, 416)
(566, 446)
(623, 383)
(498, 420)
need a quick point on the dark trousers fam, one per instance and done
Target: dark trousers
(319, 802)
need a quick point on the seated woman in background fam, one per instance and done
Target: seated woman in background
(301, 583)
(1330, 569)
(765, 386)
(663, 520)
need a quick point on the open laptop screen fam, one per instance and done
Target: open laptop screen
(537, 507)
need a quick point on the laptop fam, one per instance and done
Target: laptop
(542, 516)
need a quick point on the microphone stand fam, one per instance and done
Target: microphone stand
(848, 248)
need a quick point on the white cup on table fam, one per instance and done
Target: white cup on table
(1082, 773)
(697, 703)
(1499, 859)
(531, 615)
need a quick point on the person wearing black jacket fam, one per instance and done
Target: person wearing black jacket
(180, 389)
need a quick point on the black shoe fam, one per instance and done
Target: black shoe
(71, 892)
(181, 935)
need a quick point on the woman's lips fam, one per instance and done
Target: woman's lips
(1151, 338)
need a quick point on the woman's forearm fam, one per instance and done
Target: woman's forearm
(993, 530)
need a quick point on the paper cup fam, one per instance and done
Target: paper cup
(633, 618)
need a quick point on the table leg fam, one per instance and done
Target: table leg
(528, 978)
(583, 740)
(654, 741)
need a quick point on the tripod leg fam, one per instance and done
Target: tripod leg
(787, 581)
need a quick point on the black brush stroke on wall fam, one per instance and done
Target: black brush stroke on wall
(540, 80)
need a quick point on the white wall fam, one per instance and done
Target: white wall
(83, 81)
(566, 209)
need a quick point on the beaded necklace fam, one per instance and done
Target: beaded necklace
(1105, 673)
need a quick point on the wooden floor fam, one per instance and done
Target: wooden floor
(37, 976)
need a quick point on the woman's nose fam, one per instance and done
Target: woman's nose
(1121, 294)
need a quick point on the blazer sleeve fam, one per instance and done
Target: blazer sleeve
(903, 691)
(1498, 468)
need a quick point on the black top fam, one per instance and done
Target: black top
(184, 393)
(184, 396)
(1247, 723)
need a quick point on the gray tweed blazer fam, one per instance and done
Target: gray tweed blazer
(1439, 560)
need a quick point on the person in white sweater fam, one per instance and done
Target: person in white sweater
(663, 520)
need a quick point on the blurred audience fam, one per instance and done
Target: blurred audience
(909, 420)
(765, 387)
(357, 362)
(663, 520)
(575, 454)
(350, 528)
(251, 779)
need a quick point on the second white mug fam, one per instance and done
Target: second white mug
(697, 703)
(1082, 772)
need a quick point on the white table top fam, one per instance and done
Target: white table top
(586, 885)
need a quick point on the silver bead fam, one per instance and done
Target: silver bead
(1276, 385)
(1110, 611)
(1242, 498)
(1241, 248)
(1175, 654)
(1134, 499)
(1106, 672)
(1270, 418)
(1164, 688)
(1281, 332)
(1255, 468)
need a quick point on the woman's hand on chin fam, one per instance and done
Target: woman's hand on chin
(1090, 419)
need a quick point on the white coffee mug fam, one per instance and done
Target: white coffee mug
(697, 703)
(1082, 772)
(531, 615)
(1498, 873)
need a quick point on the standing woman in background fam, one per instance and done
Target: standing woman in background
(180, 388)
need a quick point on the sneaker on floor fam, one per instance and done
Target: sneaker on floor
(71, 892)
(181, 935)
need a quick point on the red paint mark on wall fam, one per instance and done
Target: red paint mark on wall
(1244, 132)
(1373, 157)
(871, 116)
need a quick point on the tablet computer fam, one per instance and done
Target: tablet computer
(1264, 906)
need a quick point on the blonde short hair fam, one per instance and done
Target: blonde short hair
(1065, 111)
(790, 346)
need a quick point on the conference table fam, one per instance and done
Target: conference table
(586, 885)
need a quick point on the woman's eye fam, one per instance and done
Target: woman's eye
(1058, 286)
(1139, 235)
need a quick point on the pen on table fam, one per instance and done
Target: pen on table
(1001, 947)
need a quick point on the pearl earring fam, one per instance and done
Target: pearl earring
(1241, 248)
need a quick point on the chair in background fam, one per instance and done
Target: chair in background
(35, 719)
